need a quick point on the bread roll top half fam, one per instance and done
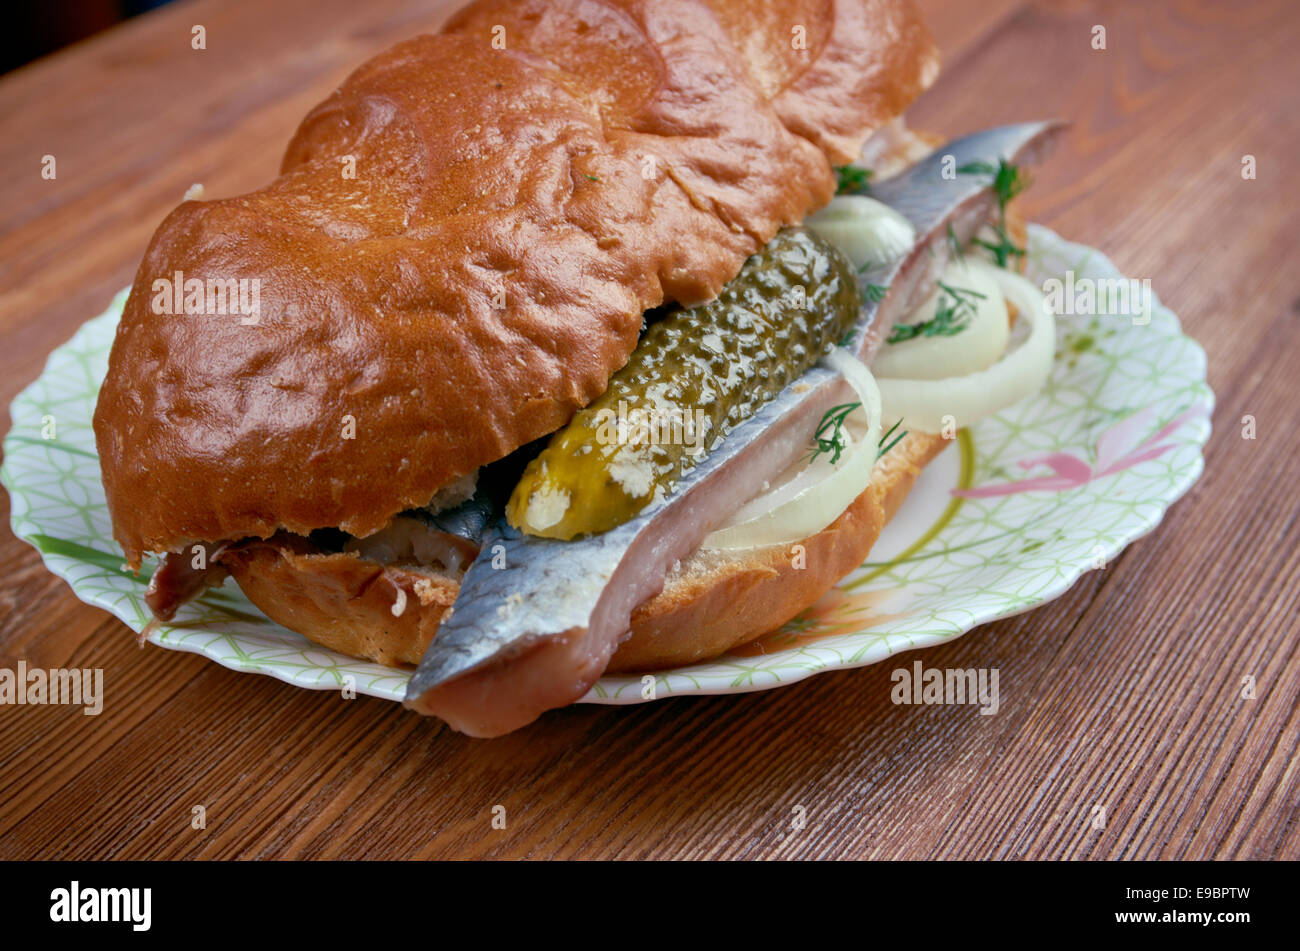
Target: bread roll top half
(461, 246)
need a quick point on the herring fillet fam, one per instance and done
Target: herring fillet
(536, 620)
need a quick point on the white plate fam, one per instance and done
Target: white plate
(1006, 519)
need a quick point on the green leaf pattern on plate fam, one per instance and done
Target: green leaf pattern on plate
(981, 558)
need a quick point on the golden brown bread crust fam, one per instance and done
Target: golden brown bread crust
(341, 600)
(511, 214)
(714, 602)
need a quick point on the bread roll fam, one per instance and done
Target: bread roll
(713, 602)
(461, 246)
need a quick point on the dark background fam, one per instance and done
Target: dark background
(38, 27)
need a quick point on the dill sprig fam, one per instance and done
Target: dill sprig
(834, 442)
(952, 316)
(954, 246)
(891, 443)
(1003, 249)
(851, 180)
(1008, 182)
(829, 437)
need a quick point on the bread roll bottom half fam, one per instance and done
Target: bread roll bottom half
(711, 602)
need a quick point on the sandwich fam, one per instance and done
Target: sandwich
(582, 336)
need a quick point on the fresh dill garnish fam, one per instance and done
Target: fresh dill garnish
(851, 180)
(832, 421)
(954, 246)
(952, 316)
(883, 448)
(592, 177)
(1008, 182)
(1003, 249)
(829, 437)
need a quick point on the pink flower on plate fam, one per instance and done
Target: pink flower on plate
(1112, 456)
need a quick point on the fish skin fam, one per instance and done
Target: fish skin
(926, 198)
(469, 520)
(931, 203)
(548, 595)
(495, 617)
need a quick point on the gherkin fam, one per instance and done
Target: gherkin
(695, 375)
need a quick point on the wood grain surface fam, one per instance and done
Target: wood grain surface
(1125, 692)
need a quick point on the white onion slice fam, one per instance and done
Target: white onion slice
(804, 506)
(868, 232)
(976, 347)
(925, 404)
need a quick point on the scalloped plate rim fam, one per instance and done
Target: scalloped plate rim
(61, 566)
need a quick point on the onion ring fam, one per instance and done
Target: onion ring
(868, 232)
(981, 342)
(802, 507)
(939, 406)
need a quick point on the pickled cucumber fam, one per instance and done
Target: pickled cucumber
(695, 375)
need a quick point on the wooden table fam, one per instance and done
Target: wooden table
(1127, 688)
